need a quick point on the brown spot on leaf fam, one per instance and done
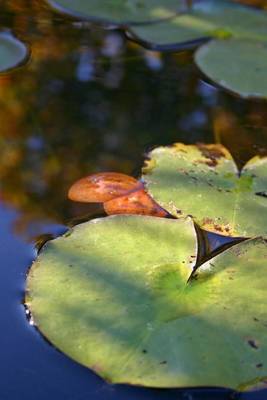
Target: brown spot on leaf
(210, 163)
(218, 228)
(224, 229)
(208, 221)
(212, 153)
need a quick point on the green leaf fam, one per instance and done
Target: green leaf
(119, 11)
(12, 52)
(203, 182)
(100, 292)
(208, 18)
(230, 334)
(243, 73)
(113, 295)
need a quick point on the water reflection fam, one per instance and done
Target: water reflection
(91, 101)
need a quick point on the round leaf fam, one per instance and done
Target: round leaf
(119, 11)
(203, 182)
(207, 18)
(237, 65)
(113, 295)
(12, 51)
(100, 292)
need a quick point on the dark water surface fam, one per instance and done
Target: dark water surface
(89, 101)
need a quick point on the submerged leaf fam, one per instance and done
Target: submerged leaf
(12, 51)
(203, 182)
(113, 295)
(244, 72)
(138, 202)
(119, 11)
(101, 187)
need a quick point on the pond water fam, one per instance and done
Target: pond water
(88, 100)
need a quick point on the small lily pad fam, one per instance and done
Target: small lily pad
(114, 295)
(244, 72)
(12, 51)
(207, 19)
(119, 11)
(203, 181)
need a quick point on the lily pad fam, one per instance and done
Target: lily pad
(207, 19)
(119, 11)
(236, 342)
(114, 295)
(100, 293)
(203, 181)
(244, 72)
(12, 51)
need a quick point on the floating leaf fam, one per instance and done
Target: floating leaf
(101, 187)
(101, 292)
(119, 11)
(236, 341)
(208, 18)
(12, 51)
(138, 202)
(203, 181)
(113, 295)
(244, 72)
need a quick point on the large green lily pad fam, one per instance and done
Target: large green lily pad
(113, 295)
(204, 182)
(12, 51)
(244, 72)
(93, 293)
(207, 19)
(119, 11)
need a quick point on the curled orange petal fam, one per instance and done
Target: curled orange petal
(137, 202)
(102, 187)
